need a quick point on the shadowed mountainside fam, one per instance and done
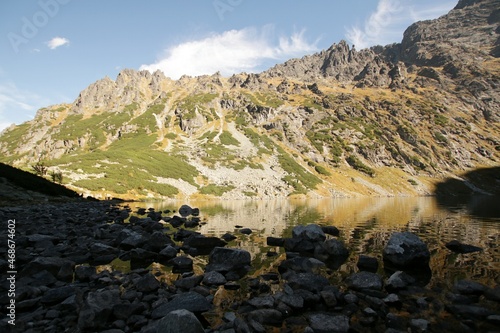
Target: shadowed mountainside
(16, 185)
(477, 191)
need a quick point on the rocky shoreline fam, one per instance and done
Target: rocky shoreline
(62, 284)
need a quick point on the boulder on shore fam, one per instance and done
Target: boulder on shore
(225, 260)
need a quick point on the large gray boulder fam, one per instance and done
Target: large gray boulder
(180, 321)
(406, 250)
(224, 260)
(97, 308)
(191, 301)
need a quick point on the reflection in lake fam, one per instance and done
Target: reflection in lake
(365, 225)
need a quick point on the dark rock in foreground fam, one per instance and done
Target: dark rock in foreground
(180, 321)
(191, 301)
(225, 261)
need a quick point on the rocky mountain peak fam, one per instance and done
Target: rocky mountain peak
(338, 121)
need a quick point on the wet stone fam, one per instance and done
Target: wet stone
(458, 247)
(228, 237)
(245, 231)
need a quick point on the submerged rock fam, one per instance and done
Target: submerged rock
(458, 247)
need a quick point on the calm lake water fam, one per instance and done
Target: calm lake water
(365, 225)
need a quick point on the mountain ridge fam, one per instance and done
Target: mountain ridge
(388, 120)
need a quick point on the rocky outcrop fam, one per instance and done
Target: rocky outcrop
(428, 106)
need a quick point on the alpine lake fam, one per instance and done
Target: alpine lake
(365, 225)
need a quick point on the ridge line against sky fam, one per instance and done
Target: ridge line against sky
(56, 48)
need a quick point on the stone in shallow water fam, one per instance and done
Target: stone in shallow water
(185, 210)
(458, 247)
(406, 250)
(311, 232)
(246, 231)
(228, 237)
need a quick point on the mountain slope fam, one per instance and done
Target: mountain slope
(21, 187)
(387, 120)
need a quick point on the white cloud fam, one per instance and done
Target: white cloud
(230, 52)
(387, 24)
(17, 106)
(438, 9)
(56, 42)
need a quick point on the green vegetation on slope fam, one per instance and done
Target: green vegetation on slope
(298, 177)
(131, 163)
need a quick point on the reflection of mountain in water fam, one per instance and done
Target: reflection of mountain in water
(478, 192)
(365, 225)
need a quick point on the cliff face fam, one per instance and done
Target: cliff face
(387, 120)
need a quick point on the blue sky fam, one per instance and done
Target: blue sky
(53, 49)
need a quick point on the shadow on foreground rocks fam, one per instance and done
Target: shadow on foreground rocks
(61, 288)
